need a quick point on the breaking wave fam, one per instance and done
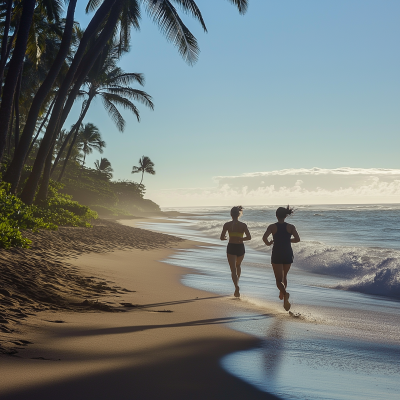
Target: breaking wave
(370, 270)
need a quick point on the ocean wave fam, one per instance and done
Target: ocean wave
(368, 270)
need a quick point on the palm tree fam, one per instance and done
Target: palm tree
(110, 83)
(102, 14)
(43, 15)
(146, 165)
(14, 171)
(89, 139)
(104, 167)
(112, 17)
(14, 70)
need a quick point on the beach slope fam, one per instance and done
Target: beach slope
(167, 344)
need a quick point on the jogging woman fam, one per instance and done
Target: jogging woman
(235, 250)
(282, 253)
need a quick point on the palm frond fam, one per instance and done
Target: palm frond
(171, 25)
(121, 101)
(191, 8)
(114, 113)
(130, 16)
(89, 139)
(52, 8)
(242, 5)
(133, 94)
(118, 77)
(92, 5)
(146, 165)
(133, 13)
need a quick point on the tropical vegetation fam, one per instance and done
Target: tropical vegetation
(47, 64)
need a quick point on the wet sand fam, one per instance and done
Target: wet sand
(162, 340)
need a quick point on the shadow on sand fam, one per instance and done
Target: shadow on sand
(186, 371)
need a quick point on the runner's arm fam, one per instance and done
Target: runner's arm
(247, 232)
(266, 235)
(223, 233)
(296, 237)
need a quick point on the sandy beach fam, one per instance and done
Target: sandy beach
(151, 338)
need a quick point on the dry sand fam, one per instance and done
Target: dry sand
(166, 344)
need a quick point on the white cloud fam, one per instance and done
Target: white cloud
(294, 186)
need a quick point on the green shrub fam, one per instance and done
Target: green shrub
(60, 209)
(16, 216)
(11, 236)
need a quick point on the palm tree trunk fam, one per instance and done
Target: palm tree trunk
(29, 190)
(142, 178)
(40, 128)
(10, 134)
(16, 102)
(13, 173)
(68, 156)
(9, 46)
(75, 127)
(41, 196)
(14, 69)
(87, 64)
(83, 164)
(4, 42)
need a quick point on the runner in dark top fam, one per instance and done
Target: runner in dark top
(282, 253)
(235, 249)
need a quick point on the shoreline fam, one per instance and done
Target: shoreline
(105, 355)
(310, 340)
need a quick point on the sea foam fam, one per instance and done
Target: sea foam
(370, 270)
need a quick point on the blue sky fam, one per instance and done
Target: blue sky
(290, 85)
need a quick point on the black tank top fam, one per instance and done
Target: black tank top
(282, 237)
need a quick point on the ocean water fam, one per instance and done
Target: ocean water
(360, 245)
(342, 337)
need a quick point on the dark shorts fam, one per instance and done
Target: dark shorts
(235, 249)
(282, 256)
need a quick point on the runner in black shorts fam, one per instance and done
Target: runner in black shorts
(282, 253)
(235, 250)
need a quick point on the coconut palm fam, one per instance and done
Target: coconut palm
(104, 167)
(103, 18)
(111, 84)
(39, 99)
(14, 70)
(145, 165)
(111, 17)
(26, 44)
(89, 139)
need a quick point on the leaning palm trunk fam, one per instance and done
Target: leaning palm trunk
(14, 69)
(16, 105)
(43, 189)
(13, 173)
(71, 146)
(84, 69)
(40, 127)
(4, 42)
(86, 65)
(29, 190)
(71, 133)
(10, 134)
(8, 50)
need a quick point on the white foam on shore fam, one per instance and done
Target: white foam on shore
(369, 270)
(335, 344)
